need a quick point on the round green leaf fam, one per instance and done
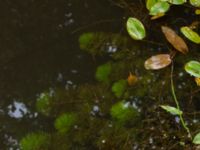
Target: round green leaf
(193, 68)
(177, 2)
(195, 3)
(159, 7)
(196, 139)
(150, 3)
(135, 29)
(190, 34)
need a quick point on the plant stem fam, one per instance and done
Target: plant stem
(177, 104)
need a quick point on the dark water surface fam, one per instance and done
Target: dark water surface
(40, 50)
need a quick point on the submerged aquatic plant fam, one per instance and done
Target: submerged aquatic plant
(123, 112)
(64, 122)
(43, 103)
(35, 141)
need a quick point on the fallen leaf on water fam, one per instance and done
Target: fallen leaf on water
(158, 62)
(132, 79)
(197, 80)
(174, 39)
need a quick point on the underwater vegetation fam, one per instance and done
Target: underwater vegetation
(35, 141)
(142, 80)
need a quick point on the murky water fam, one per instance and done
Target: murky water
(40, 50)
(40, 53)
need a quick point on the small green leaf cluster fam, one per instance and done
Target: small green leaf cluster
(35, 141)
(123, 112)
(64, 122)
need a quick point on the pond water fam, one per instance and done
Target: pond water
(42, 57)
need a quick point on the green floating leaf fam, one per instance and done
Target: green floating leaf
(193, 68)
(196, 139)
(159, 8)
(177, 2)
(65, 122)
(150, 3)
(119, 87)
(135, 29)
(171, 110)
(195, 3)
(190, 34)
(103, 72)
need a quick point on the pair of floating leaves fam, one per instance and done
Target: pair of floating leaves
(172, 110)
(175, 40)
(193, 68)
(135, 28)
(158, 62)
(190, 34)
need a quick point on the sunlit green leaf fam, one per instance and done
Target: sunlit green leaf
(196, 139)
(171, 110)
(190, 34)
(150, 3)
(195, 3)
(193, 68)
(177, 2)
(159, 7)
(157, 62)
(119, 87)
(135, 29)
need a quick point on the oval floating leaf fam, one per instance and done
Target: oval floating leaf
(176, 41)
(193, 68)
(172, 110)
(150, 3)
(135, 29)
(159, 7)
(177, 2)
(196, 139)
(190, 34)
(158, 62)
(195, 3)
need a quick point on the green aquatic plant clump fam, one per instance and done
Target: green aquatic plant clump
(103, 72)
(35, 141)
(119, 87)
(123, 112)
(43, 103)
(64, 122)
(85, 40)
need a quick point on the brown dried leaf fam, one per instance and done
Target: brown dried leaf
(174, 39)
(132, 79)
(158, 62)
